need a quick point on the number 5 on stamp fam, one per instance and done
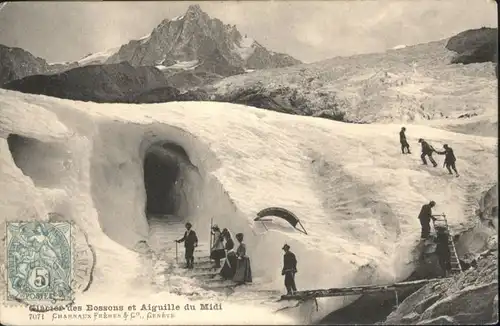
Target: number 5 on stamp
(39, 262)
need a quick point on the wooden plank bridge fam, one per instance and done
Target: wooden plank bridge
(355, 290)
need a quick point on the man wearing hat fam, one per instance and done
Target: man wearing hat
(427, 151)
(449, 159)
(190, 242)
(289, 269)
(425, 217)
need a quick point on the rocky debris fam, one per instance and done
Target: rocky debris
(409, 84)
(467, 115)
(466, 306)
(465, 298)
(191, 79)
(168, 94)
(286, 99)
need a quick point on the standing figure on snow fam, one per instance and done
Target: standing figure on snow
(243, 271)
(425, 217)
(404, 143)
(190, 242)
(229, 268)
(289, 270)
(217, 251)
(426, 151)
(449, 159)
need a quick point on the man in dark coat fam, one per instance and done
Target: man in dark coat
(190, 242)
(289, 269)
(426, 151)
(404, 143)
(449, 159)
(425, 217)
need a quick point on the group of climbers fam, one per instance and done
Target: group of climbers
(425, 216)
(427, 150)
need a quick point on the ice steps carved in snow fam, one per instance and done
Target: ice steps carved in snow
(162, 233)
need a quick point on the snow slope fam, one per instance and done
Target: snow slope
(99, 57)
(356, 195)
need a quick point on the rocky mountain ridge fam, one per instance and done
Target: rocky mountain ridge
(197, 36)
(16, 63)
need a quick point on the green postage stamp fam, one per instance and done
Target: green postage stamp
(39, 262)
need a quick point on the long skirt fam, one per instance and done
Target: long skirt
(229, 267)
(243, 271)
(218, 254)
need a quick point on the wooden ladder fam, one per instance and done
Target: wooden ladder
(454, 261)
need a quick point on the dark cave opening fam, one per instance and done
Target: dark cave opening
(160, 175)
(163, 179)
(17, 145)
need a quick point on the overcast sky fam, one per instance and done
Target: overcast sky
(307, 30)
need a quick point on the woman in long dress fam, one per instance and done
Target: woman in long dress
(229, 267)
(217, 251)
(243, 270)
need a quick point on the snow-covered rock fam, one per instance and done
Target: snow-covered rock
(98, 58)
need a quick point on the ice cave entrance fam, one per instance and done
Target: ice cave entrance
(163, 167)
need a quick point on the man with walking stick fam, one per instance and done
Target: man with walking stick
(190, 242)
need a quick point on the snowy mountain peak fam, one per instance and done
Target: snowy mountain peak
(196, 36)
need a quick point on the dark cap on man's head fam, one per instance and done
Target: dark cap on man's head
(286, 247)
(188, 224)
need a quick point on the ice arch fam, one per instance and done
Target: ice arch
(125, 160)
